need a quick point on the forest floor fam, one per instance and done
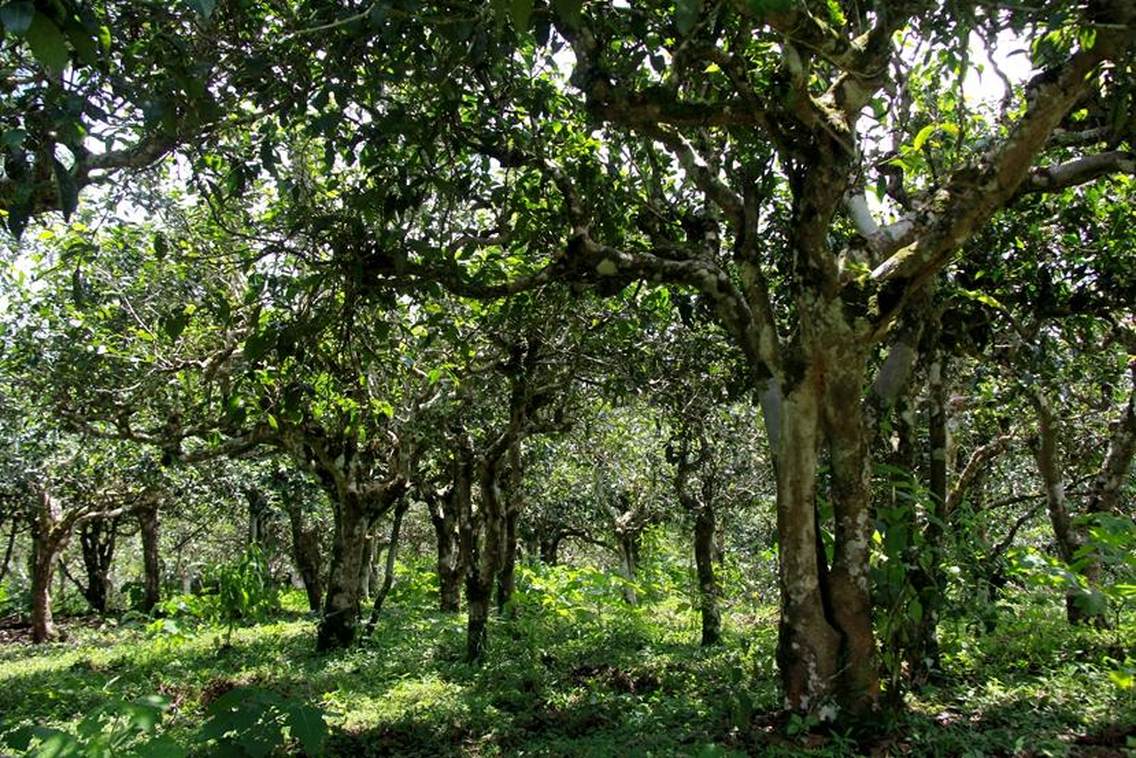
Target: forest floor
(572, 673)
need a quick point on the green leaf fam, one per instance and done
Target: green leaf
(568, 10)
(982, 297)
(521, 11)
(308, 727)
(17, 17)
(836, 14)
(13, 138)
(204, 7)
(1123, 678)
(143, 716)
(161, 247)
(686, 15)
(926, 132)
(84, 45)
(761, 7)
(48, 44)
(68, 189)
(160, 747)
(257, 345)
(175, 323)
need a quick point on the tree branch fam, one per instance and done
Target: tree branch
(1057, 177)
(973, 194)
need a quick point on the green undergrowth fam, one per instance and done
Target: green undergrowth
(572, 670)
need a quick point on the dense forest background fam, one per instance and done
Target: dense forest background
(705, 377)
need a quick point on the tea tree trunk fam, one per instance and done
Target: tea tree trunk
(151, 565)
(485, 557)
(1069, 540)
(704, 549)
(341, 607)
(450, 567)
(97, 538)
(306, 555)
(388, 571)
(507, 578)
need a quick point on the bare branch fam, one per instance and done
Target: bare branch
(1057, 177)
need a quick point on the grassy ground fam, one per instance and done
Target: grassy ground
(576, 673)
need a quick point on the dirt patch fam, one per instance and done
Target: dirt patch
(15, 631)
(224, 684)
(1107, 742)
(630, 682)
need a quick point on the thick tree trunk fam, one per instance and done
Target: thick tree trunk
(388, 572)
(43, 571)
(48, 541)
(849, 582)
(477, 606)
(341, 607)
(97, 538)
(151, 566)
(444, 517)
(827, 647)
(708, 591)
(485, 556)
(808, 644)
(306, 554)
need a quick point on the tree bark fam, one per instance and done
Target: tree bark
(257, 530)
(97, 538)
(337, 626)
(450, 568)
(922, 652)
(371, 549)
(43, 571)
(151, 566)
(485, 555)
(849, 582)
(388, 572)
(8, 550)
(699, 504)
(628, 542)
(827, 647)
(1069, 542)
(708, 590)
(807, 644)
(507, 577)
(49, 537)
(550, 550)
(1110, 480)
(306, 554)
